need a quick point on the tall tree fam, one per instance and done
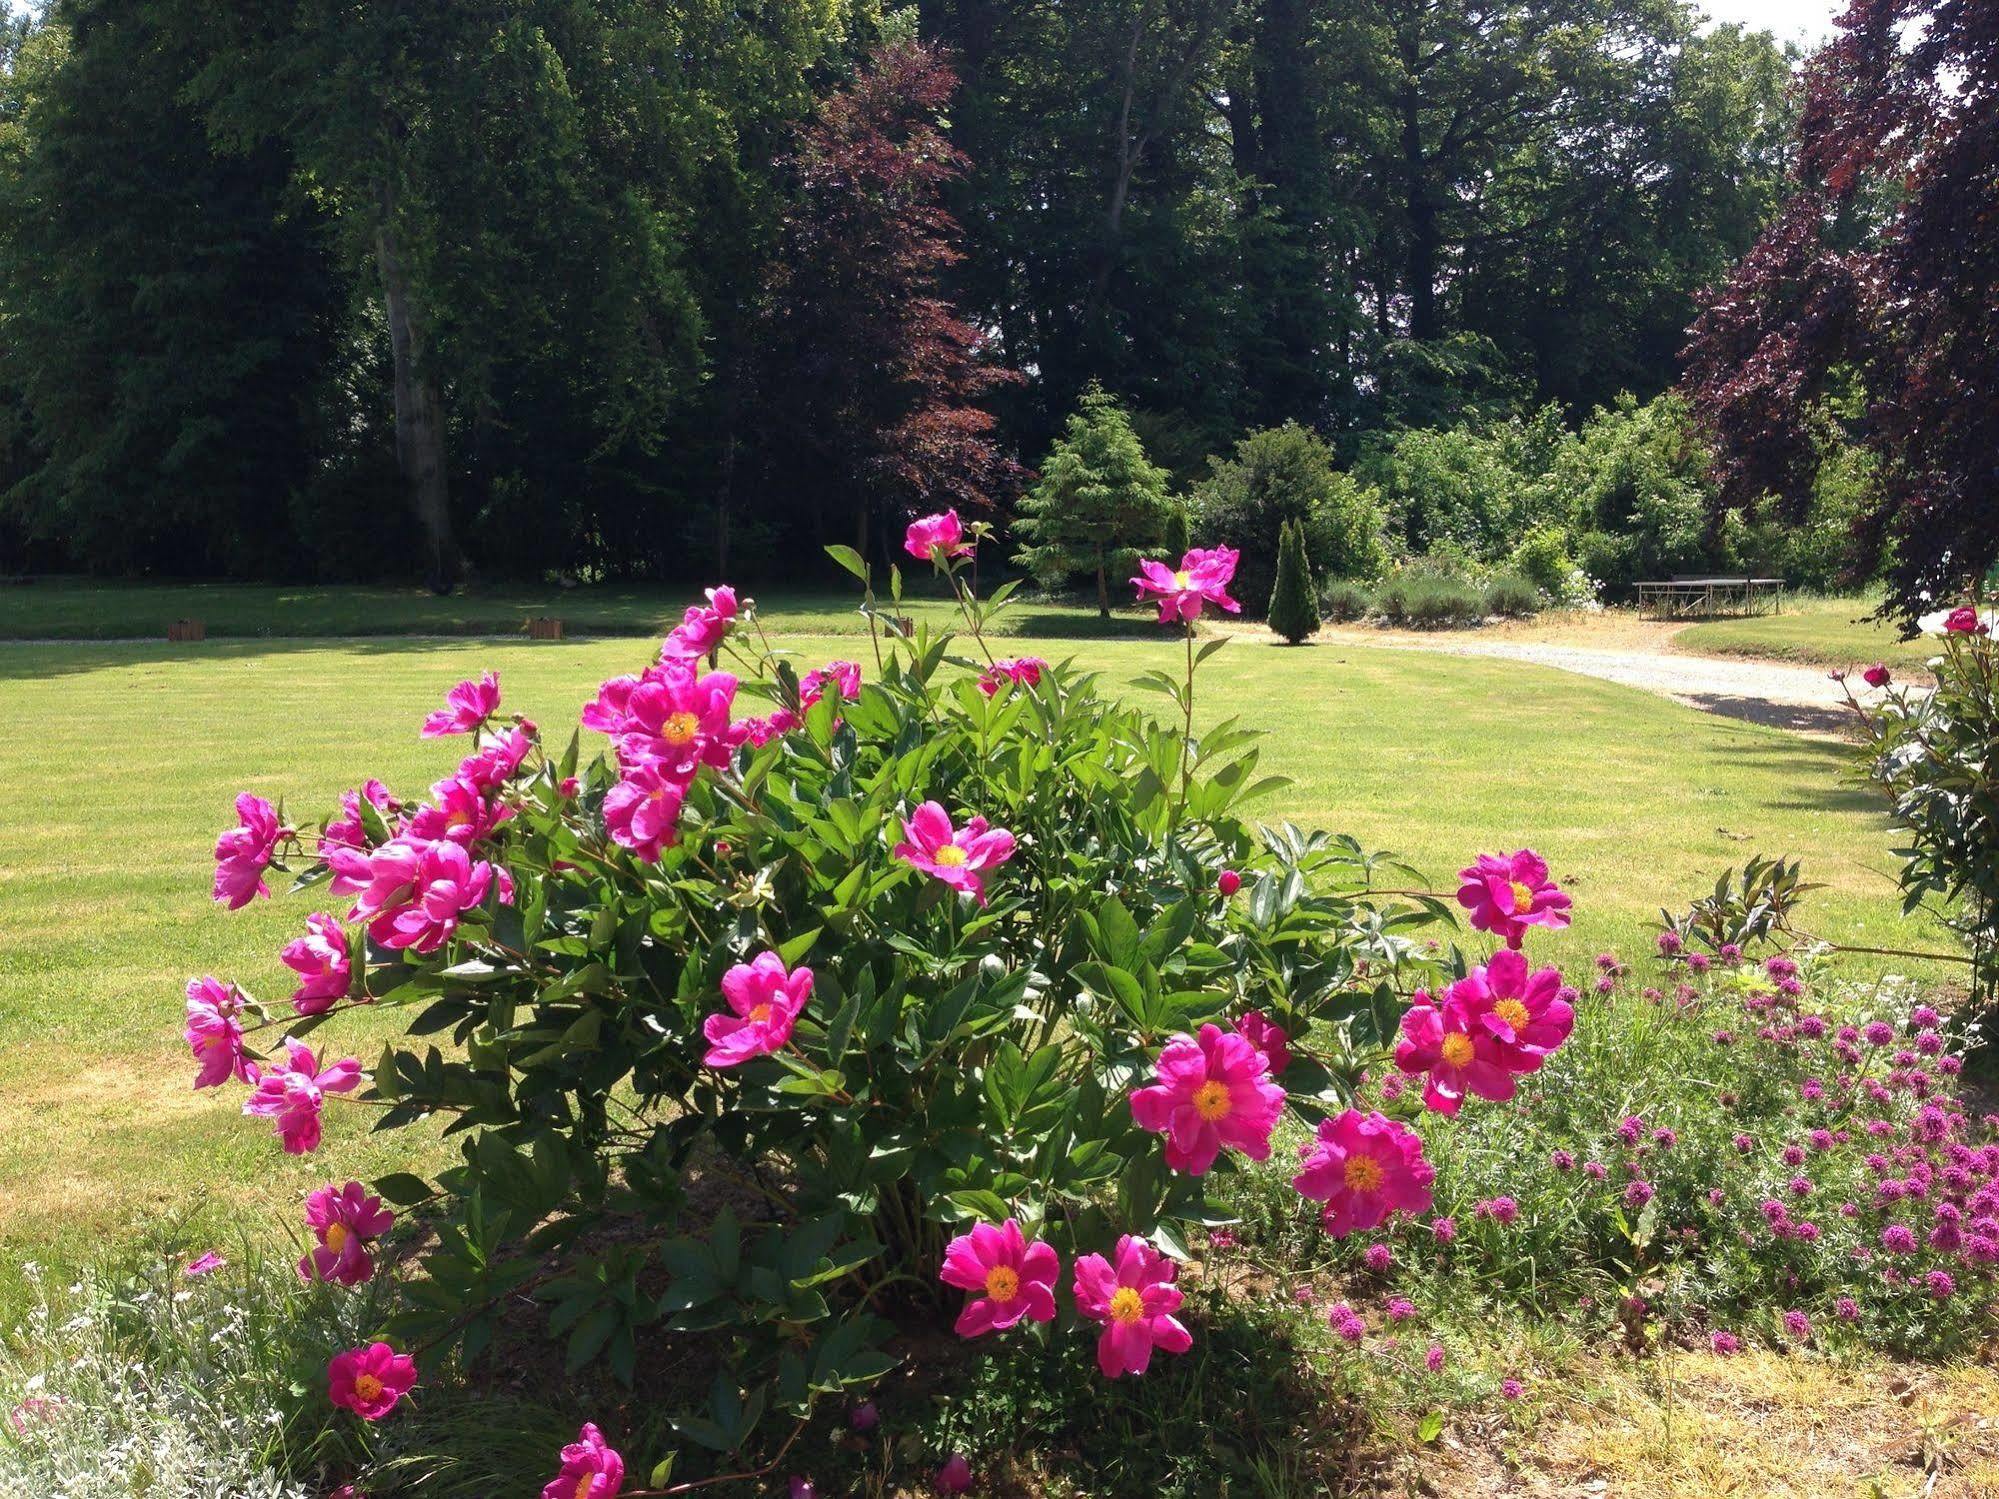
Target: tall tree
(1098, 500)
(873, 383)
(168, 315)
(1883, 268)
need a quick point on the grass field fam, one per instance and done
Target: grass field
(1828, 632)
(118, 763)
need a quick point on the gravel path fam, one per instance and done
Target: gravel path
(1800, 698)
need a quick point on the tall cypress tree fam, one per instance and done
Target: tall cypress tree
(1294, 601)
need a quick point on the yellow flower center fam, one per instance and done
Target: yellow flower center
(679, 728)
(1523, 898)
(950, 856)
(336, 1237)
(1457, 1049)
(1127, 1305)
(459, 818)
(1183, 579)
(761, 1014)
(1513, 1012)
(1002, 1283)
(367, 1387)
(586, 1486)
(1363, 1174)
(1212, 1101)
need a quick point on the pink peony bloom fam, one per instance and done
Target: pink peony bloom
(461, 814)
(347, 830)
(1022, 671)
(1877, 675)
(766, 1001)
(642, 811)
(1010, 1278)
(1522, 1012)
(1507, 893)
(206, 1264)
(466, 707)
(959, 857)
(293, 1091)
(370, 1380)
(591, 1469)
(760, 731)
(416, 893)
(1964, 620)
(1134, 1298)
(1364, 1167)
(610, 712)
(1227, 883)
(1267, 1037)
(1454, 1053)
(1212, 1092)
(493, 764)
(1203, 578)
(214, 1035)
(703, 627)
(677, 718)
(843, 676)
(954, 1477)
(932, 538)
(244, 852)
(320, 959)
(344, 1220)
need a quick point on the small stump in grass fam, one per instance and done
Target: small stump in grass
(181, 630)
(541, 627)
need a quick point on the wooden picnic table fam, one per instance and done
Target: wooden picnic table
(1686, 597)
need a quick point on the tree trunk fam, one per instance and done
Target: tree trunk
(1421, 264)
(1103, 591)
(419, 408)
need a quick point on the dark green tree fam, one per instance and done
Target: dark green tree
(1294, 599)
(1279, 477)
(1098, 502)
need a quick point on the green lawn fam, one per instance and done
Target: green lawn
(118, 764)
(1828, 632)
(81, 609)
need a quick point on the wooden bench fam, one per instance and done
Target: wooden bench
(1689, 596)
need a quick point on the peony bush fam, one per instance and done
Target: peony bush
(781, 1007)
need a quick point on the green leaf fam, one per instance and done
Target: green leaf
(850, 559)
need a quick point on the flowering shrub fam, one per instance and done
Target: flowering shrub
(1932, 751)
(943, 972)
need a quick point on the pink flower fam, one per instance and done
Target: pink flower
(610, 712)
(206, 1264)
(347, 830)
(591, 1468)
(1364, 1167)
(1227, 883)
(244, 851)
(1964, 620)
(1212, 1092)
(416, 893)
(1507, 893)
(213, 1034)
(320, 959)
(466, 707)
(1135, 1299)
(462, 814)
(1010, 1278)
(370, 1380)
(766, 1001)
(1022, 671)
(1456, 1054)
(703, 627)
(343, 1220)
(760, 731)
(1877, 675)
(293, 1091)
(1203, 578)
(1267, 1037)
(677, 718)
(955, 1476)
(931, 538)
(844, 675)
(642, 811)
(493, 764)
(1522, 1012)
(959, 857)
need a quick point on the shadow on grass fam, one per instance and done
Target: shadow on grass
(45, 661)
